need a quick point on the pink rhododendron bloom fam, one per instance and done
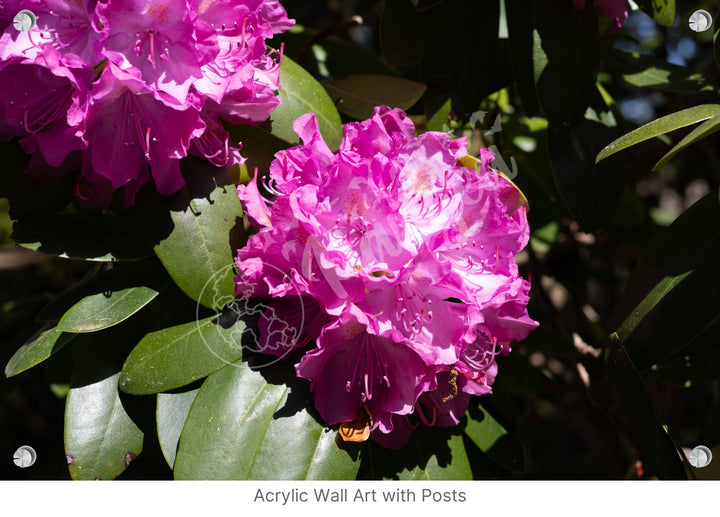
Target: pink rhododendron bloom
(616, 9)
(118, 91)
(391, 272)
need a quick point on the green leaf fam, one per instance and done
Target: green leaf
(87, 237)
(705, 129)
(662, 11)
(176, 356)
(494, 440)
(100, 437)
(651, 439)
(647, 71)
(673, 294)
(301, 93)
(41, 346)
(122, 276)
(457, 468)
(439, 121)
(357, 95)
(172, 411)
(116, 296)
(431, 454)
(659, 127)
(194, 232)
(101, 311)
(242, 426)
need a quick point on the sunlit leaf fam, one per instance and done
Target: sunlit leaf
(705, 129)
(493, 438)
(172, 411)
(41, 346)
(431, 454)
(300, 94)
(103, 310)
(647, 71)
(662, 11)
(101, 440)
(194, 232)
(241, 426)
(176, 356)
(659, 127)
(101, 280)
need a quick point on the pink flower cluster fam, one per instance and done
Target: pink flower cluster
(616, 9)
(121, 90)
(396, 263)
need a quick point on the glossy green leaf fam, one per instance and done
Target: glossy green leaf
(659, 127)
(662, 11)
(87, 237)
(122, 276)
(357, 95)
(193, 232)
(41, 346)
(300, 94)
(436, 468)
(705, 129)
(104, 310)
(681, 264)
(493, 438)
(100, 437)
(241, 426)
(432, 454)
(176, 356)
(172, 411)
(656, 446)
